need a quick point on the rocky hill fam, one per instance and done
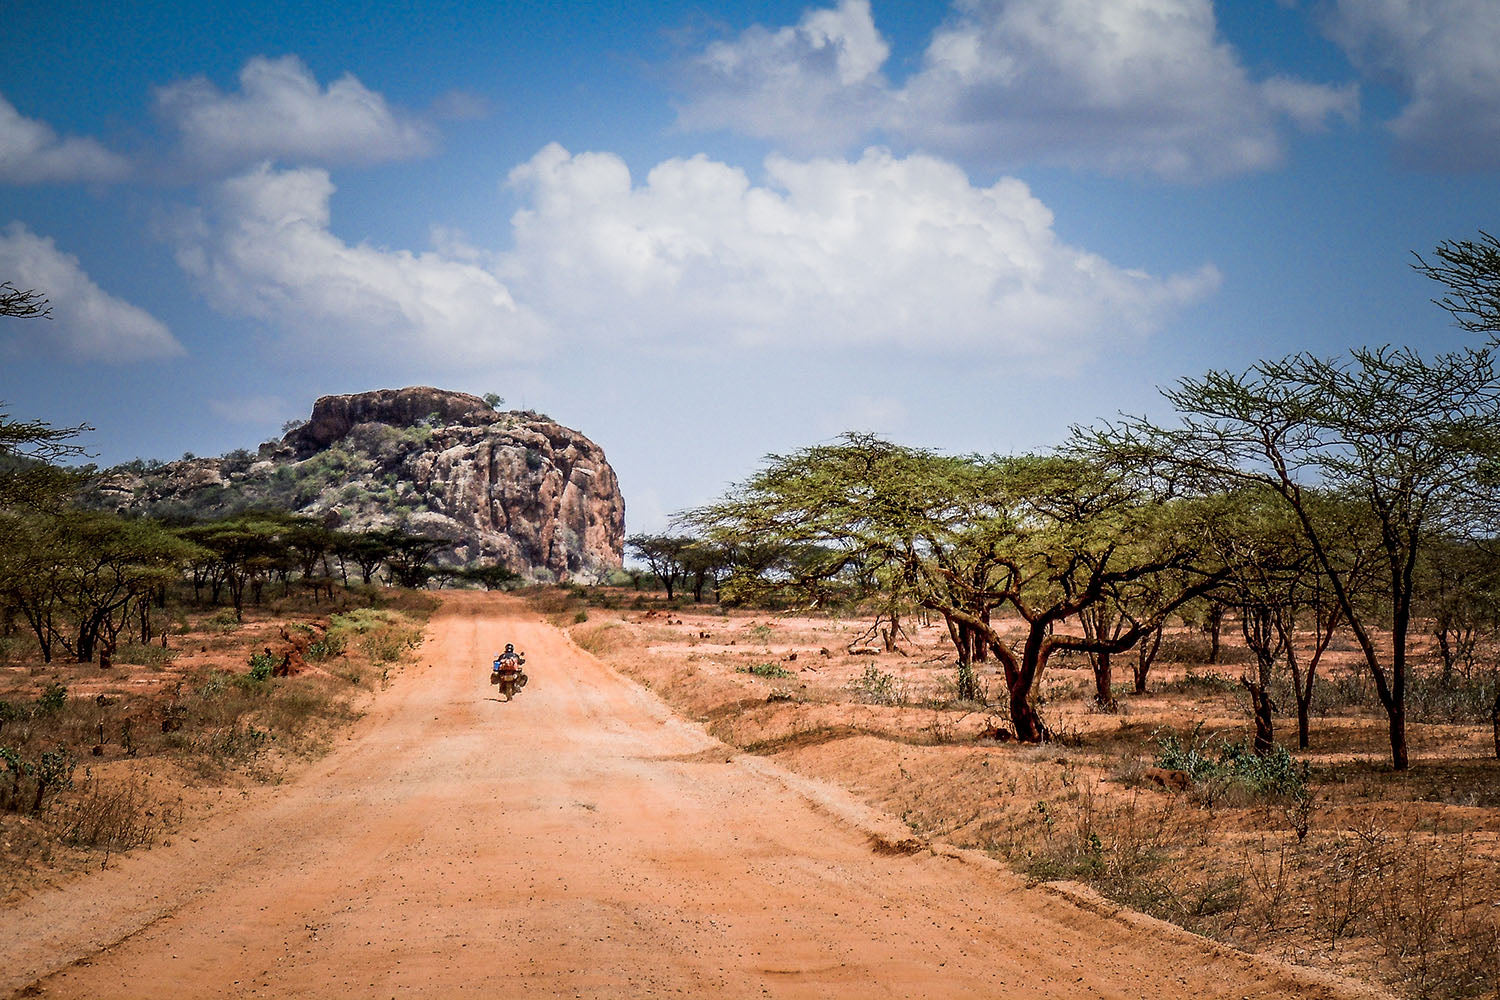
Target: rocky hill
(517, 487)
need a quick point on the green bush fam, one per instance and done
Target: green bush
(1209, 761)
(31, 781)
(52, 699)
(878, 687)
(766, 669)
(261, 666)
(326, 648)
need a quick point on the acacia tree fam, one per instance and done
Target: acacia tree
(1471, 270)
(1459, 595)
(664, 555)
(1414, 443)
(703, 563)
(23, 303)
(494, 576)
(28, 450)
(409, 557)
(1046, 537)
(1279, 591)
(116, 565)
(33, 564)
(248, 548)
(366, 549)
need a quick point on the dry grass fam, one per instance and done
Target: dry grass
(119, 751)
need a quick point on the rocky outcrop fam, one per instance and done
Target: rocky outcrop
(333, 417)
(515, 487)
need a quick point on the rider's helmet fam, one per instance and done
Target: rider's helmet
(510, 647)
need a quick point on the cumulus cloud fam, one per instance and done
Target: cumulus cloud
(262, 248)
(816, 86)
(830, 254)
(87, 324)
(31, 152)
(281, 113)
(1444, 56)
(1124, 86)
(880, 251)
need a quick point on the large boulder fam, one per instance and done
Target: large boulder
(515, 487)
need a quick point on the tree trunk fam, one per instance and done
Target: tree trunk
(1495, 721)
(87, 633)
(1145, 657)
(1398, 736)
(979, 652)
(1029, 726)
(1104, 697)
(1445, 647)
(1215, 626)
(1260, 703)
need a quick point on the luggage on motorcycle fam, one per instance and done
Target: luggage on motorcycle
(521, 681)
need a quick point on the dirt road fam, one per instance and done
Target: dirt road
(578, 842)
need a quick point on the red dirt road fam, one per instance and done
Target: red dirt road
(577, 842)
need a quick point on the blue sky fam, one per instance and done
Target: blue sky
(701, 232)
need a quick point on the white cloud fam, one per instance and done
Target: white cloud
(1311, 105)
(815, 86)
(280, 113)
(827, 255)
(1444, 56)
(262, 248)
(1125, 86)
(890, 251)
(87, 324)
(31, 152)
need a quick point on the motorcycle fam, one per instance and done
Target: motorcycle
(509, 676)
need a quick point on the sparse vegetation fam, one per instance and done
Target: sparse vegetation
(766, 669)
(1311, 853)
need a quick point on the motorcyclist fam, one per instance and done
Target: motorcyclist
(508, 661)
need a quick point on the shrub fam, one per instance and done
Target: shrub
(52, 699)
(597, 639)
(767, 669)
(386, 645)
(31, 781)
(1211, 682)
(331, 645)
(878, 687)
(261, 666)
(1234, 764)
(1454, 699)
(114, 817)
